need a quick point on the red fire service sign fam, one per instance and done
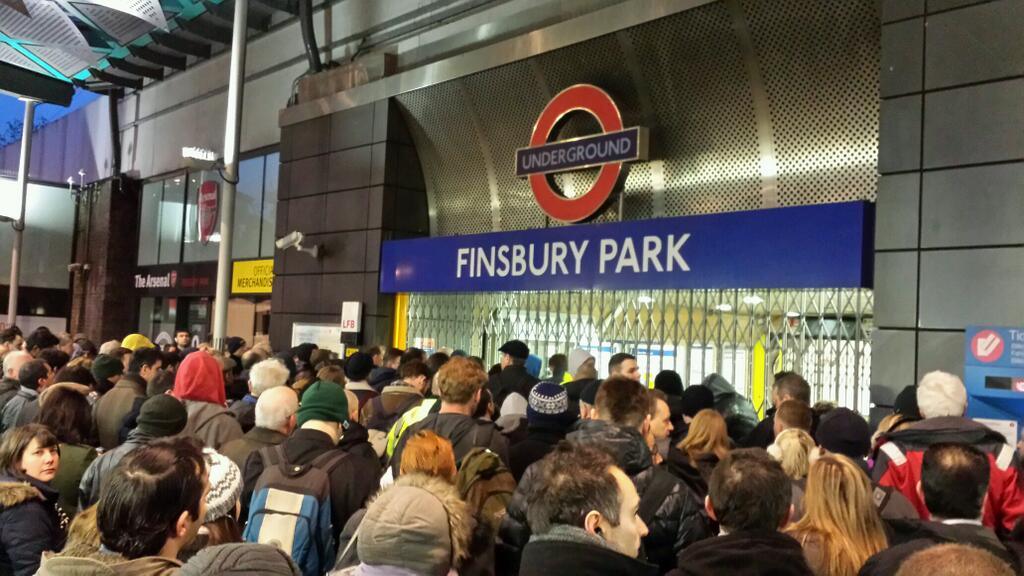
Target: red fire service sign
(610, 149)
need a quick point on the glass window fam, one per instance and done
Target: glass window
(196, 251)
(170, 220)
(46, 244)
(269, 205)
(149, 224)
(248, 201)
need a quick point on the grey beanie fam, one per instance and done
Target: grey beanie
(240, 559)
(418, 524)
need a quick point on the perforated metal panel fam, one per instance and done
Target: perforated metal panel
(744, 335)
(687, 77)
(820, 64)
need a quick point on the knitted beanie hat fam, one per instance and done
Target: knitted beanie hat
(104, 367)
(161, 416)
(225, 485)
(323, 400)
(358, 366)
(240, 559)
(548, 403)
(669, 382)
(696, 398)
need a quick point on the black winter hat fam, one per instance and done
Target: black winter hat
(669, 382)
(240, 559)
(696, 398)
(906, 402)
(359, 366)
(515, 349)
(161, 416)
(845, 432)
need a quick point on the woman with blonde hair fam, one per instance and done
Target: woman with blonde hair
(792, 449)
(841, 527)
(694, 458)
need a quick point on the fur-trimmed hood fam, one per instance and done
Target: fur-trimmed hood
(14, 493)
(419, 523)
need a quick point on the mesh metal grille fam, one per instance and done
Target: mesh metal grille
(824, 96)
(684, 76)
(746, 336)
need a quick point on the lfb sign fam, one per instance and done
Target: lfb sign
(609, 150)
(207, 210)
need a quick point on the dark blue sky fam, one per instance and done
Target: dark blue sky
(12, 108)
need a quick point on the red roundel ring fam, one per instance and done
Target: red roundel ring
(597, 102)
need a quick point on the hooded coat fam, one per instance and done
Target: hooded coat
(103, 563)
(679, 521)
(199, 384)
(31, 522)
(739, 414)
(418, 525)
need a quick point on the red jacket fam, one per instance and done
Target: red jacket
(899, 465)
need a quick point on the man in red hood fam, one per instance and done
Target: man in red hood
(199, 384)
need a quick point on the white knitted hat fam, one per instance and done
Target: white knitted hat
(225, 485)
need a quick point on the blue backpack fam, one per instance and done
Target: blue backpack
(291, 509)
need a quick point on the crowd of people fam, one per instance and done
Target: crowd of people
(136, 459)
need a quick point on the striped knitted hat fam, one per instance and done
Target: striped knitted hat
(548, 403)
(225, 485)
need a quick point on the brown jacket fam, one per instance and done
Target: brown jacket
(95, 563)
(380, 413)
(238, 450)
(211, 424)
(110, 410)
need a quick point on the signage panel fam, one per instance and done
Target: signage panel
(994, 377)
(207, 212)
(252, 276)
(610, 149)
(818, 246)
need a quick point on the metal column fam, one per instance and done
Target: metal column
(232, 131)
(19, 225)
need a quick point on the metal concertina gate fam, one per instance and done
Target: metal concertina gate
(744, 335)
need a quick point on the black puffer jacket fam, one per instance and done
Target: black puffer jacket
(678, 522)
(31, 522)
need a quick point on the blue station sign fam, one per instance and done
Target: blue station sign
(817, 246)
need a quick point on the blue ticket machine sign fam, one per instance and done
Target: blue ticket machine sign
(994, 376)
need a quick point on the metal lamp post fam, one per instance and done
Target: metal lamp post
(19, 224)
(232, 132)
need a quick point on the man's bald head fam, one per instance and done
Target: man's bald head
(13, 362)
(276, 408)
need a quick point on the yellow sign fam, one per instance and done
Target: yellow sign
(252, 277)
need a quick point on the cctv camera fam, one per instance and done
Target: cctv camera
(291, 240)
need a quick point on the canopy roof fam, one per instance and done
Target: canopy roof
(105, 45)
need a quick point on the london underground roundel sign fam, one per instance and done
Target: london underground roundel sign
(609, 150)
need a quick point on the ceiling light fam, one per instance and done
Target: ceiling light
(724, 308)
(645, 299)
(753, 300)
